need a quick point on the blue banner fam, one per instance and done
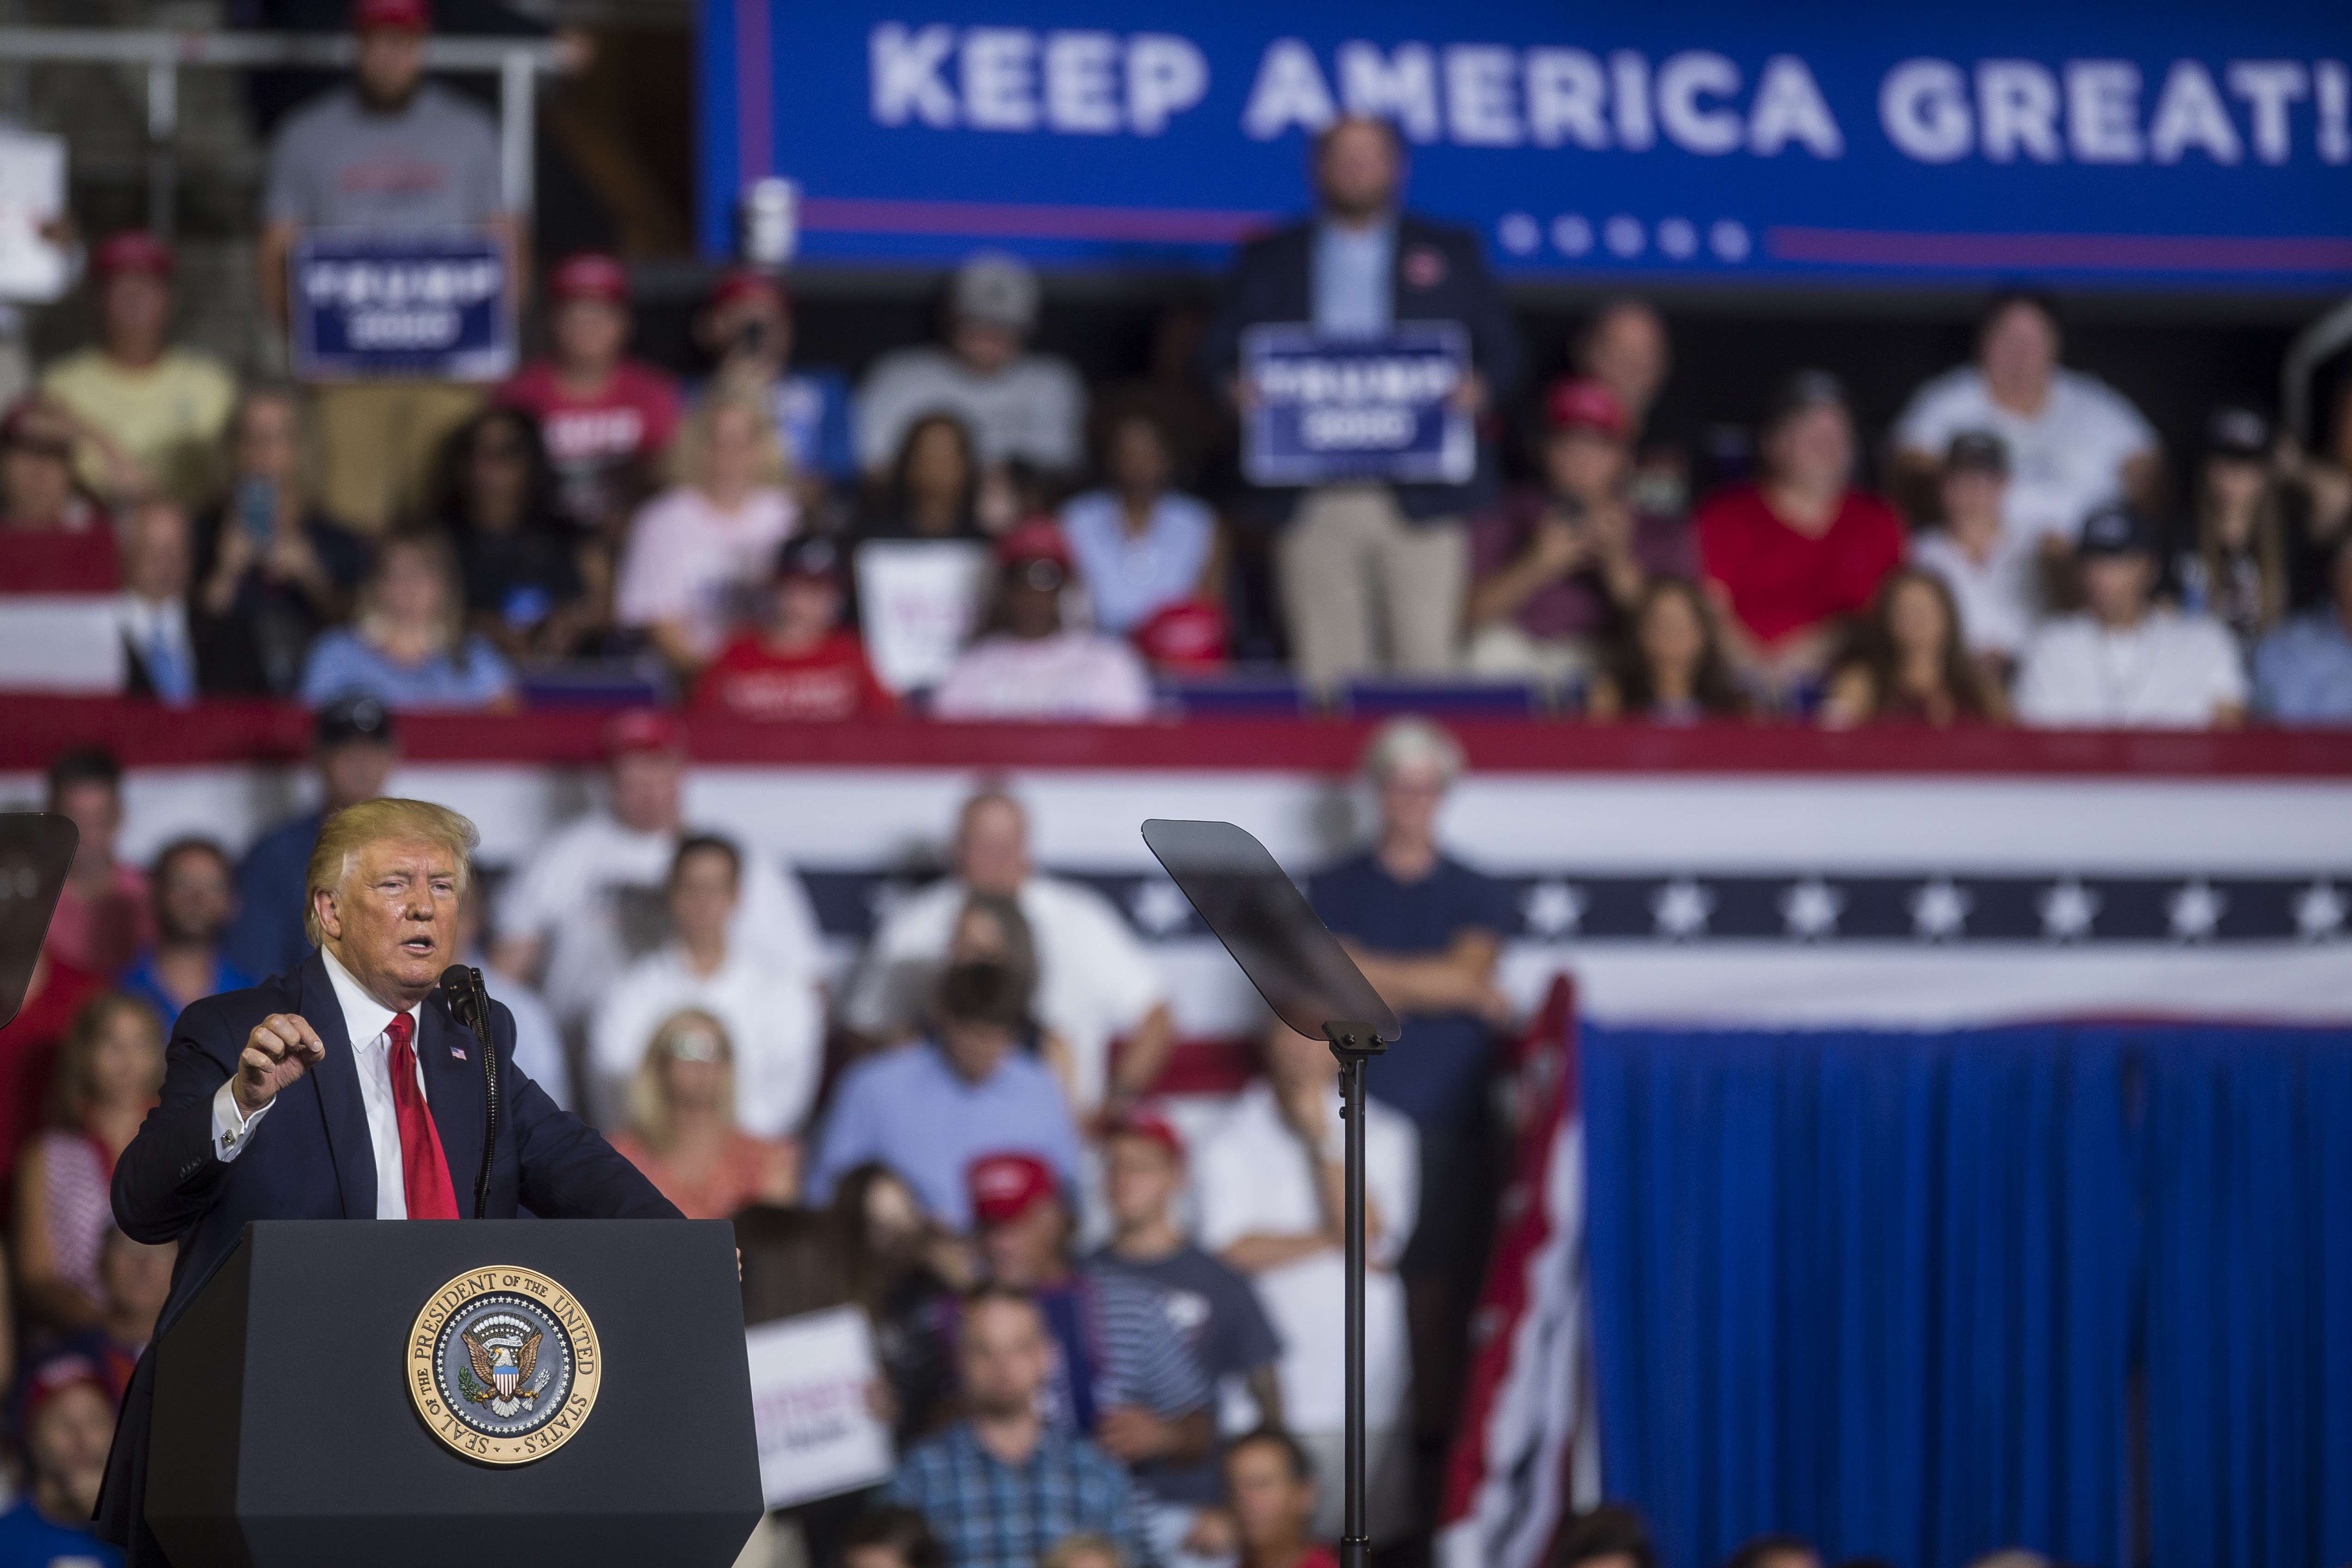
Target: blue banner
(2173, 144)
(1324, 409)
(368, 305)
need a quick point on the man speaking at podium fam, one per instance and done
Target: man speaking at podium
(344, 1090)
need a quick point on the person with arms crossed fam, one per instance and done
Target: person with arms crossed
(359, 1045)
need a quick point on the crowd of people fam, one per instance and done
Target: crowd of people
(748, 533)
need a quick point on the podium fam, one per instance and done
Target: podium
(522, 1392)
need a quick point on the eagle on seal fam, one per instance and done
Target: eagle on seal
(503, 1361)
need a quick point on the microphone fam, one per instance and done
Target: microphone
(469, 1004)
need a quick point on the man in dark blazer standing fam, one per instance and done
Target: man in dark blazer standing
(1364, 565)
(343, 1091)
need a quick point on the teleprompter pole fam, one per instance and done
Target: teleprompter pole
(1353, 1045)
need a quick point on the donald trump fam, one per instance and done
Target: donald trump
(344, 1090)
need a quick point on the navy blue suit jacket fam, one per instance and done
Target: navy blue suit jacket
(1438, 274)
(313, 1158)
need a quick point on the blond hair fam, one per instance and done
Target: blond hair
(649, 1100)
(356, 827)
(689, 454)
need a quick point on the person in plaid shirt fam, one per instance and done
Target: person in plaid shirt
(1002, 1485)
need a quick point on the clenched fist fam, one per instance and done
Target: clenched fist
(281, 1049)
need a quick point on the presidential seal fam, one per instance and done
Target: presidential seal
(503, 1365)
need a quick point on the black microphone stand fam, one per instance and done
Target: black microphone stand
(1354, 1044)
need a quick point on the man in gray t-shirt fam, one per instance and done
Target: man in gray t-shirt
(388, 153)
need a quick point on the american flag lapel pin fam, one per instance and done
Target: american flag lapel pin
(457, 1051)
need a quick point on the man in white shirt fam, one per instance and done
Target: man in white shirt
(2123, 664)
(1994, 574)
(1018, 405)
(2074, 443)
(591, 900)
(773, 1019)
(386, 1118)
(1268, 1181)
(1095, 980)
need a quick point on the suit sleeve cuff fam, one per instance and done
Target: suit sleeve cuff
(232, 1129)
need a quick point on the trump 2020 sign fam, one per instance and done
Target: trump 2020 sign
(374, 305)
(2172, 144)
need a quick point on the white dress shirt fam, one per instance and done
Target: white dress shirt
(775, 1026)
(367, 1023)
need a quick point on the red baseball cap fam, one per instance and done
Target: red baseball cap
(590, 274)
(1576, 403)
(53, 1376)
(1039, 538)
(643, 729)
(132, 250)
(1006, 1186)
(1187, 638)
(392, 16)
(1142, 1121)
(748, 282)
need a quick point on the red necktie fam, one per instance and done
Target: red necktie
(424, 1169)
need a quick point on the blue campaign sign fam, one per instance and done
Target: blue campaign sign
(2175, 143)
(1326, 409)
(400, 305)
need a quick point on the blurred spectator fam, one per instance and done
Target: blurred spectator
(538, 1043)
(1269, 1489)
(51, 538)
(407, 646)
(1208, 1303)
(495, 495)
(1669, 667)
(1268, 1181)
(69, 1427)
(1094, 981)
(891, 1537)
(1993, 571)
(2235, 567)
(908, 1268)
(991, 926)
(1794, 555)
(747, 331)
(802, 664)
(932, 491)
(53, 1000)
(2302, 671)
(274, 569)
(929, 1108)
(775, 1024)
(161, 406)
(1354, 556)
(1004, 1484)
(683, 1131)
(2124, 663)
(1556, 569)
(1018, 405)
(134, 1280)
(2075, 442)
(1125, 1376)
(1612, 1535)
(1909, 665)
(391, 155)
(355, 746)
(1139, 546)
(1427, 932)
(1025, 663)
(1624, 347)
(194, 903)
(606, 417)
(174, 653)
(1775, 1551)
(108, 1074)
(1089, 1550)
(2318, 488)
(699, 549)
(590, 900)
(103, 916)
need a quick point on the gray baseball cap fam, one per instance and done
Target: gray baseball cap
(996, 289)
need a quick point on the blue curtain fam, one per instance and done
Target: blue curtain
(1921, 1295)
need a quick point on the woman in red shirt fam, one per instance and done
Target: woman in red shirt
(682, 1132)
(1790, 558)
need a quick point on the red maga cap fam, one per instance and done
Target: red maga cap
(1142, 1121)
(1577, 403)
(643, 730)
(403, 15)
(747, 283)
(55, 1377)
(1006, 1186)
(590, 274)
(1189, 636)
(1039, 538)
(132, 250)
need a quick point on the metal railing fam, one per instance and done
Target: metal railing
(517, 62)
